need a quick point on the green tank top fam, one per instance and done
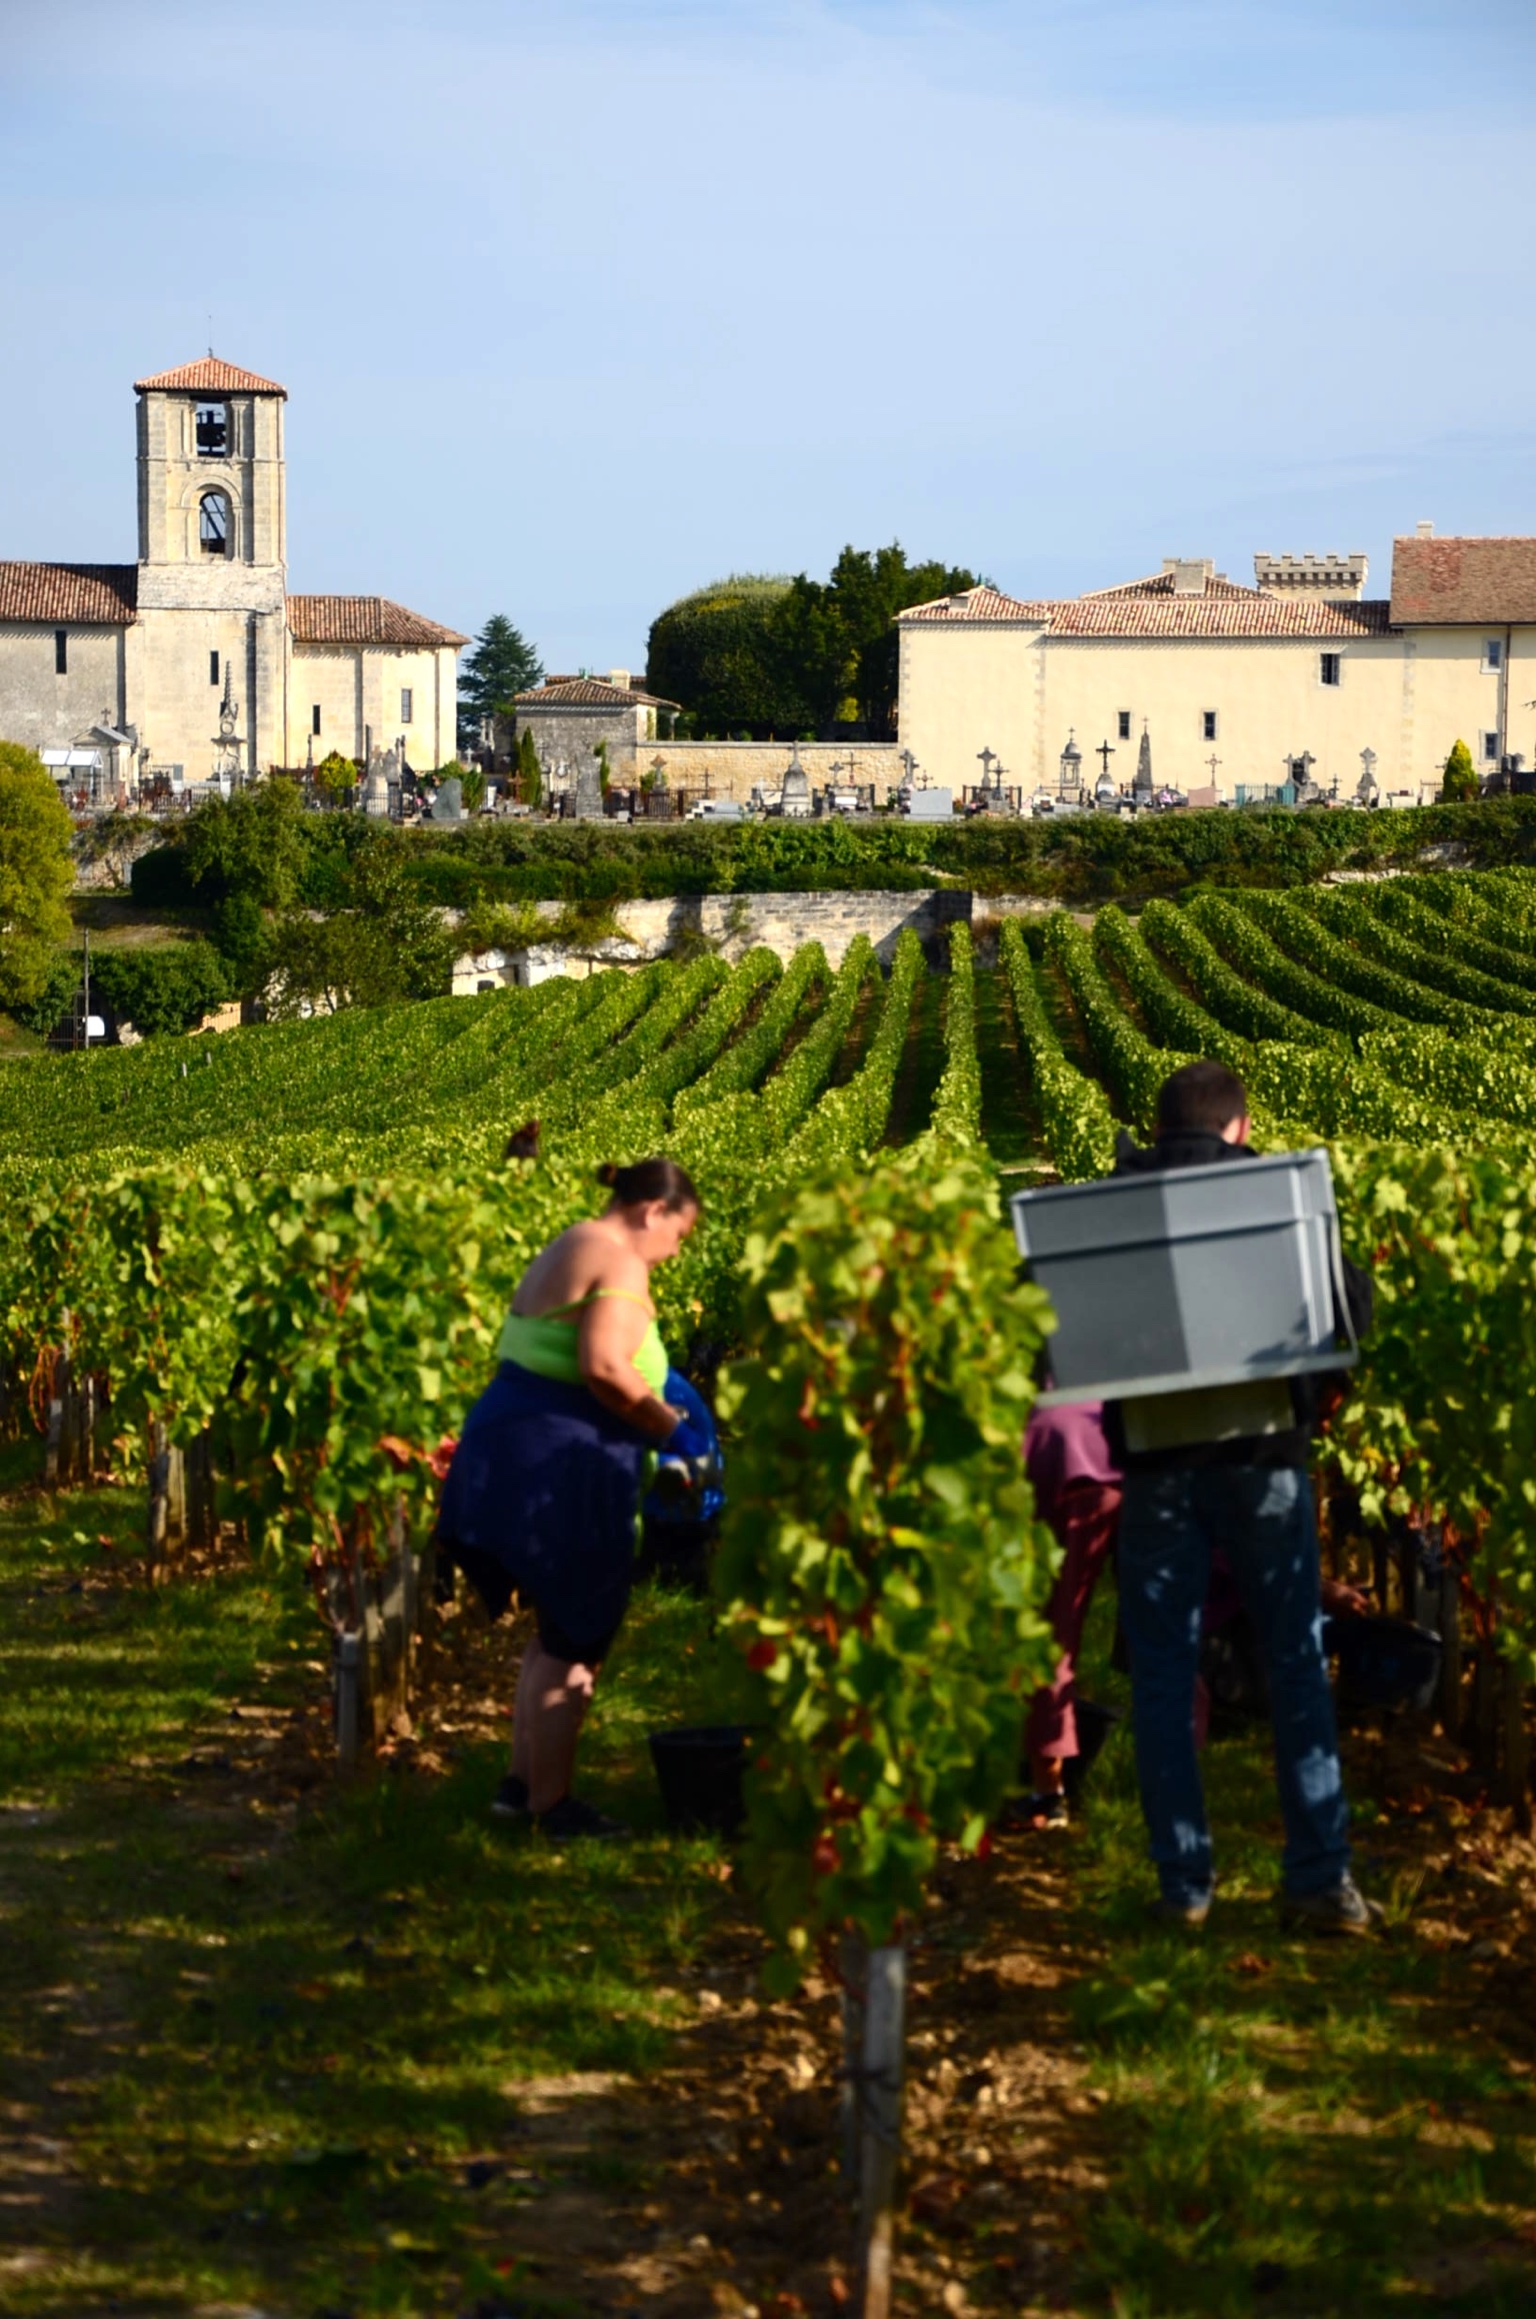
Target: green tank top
(547, 1345)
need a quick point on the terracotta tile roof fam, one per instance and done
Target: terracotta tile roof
(211, 377)
(1474, 582)
(588, 692)
(1150, 608)
(978, 604)
(87, 595)
(363, 620)
(1162, 584)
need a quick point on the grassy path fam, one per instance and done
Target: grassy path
(271, 2047)
(1008, 1124)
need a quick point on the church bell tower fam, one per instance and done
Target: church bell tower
(211, 494)
(211, 581)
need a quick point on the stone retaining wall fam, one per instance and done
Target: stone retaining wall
(731, 924)
(734, 768)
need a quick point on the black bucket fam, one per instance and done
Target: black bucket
(1094, 1725)
(699, 1771)
(1383, 1662)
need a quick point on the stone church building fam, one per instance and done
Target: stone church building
(194, 664)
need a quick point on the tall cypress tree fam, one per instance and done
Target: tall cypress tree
(530, 772)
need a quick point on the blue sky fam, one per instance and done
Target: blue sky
(581, 303)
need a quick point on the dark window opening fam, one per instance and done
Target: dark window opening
(213, 523)
(405, 704)
(1490, 744)
(1208, 724)
(213, 668)
(314, 718)
(1493, 653)
(212, 430)
(61, 652)
(1330, 667)
(1123, 723)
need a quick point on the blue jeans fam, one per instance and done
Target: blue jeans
(1261, 1518)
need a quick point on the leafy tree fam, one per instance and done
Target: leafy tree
(530, 773)
(387, 944)
(251, 843)
(604, 769)
(502, 664)
(54, 997)
(243, 939)
(774, 656)
(471, 780)
(1461, 780)
(844, 636)
(163, 987)
(334, 775)
(36, 875)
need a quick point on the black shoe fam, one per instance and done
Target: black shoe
(510, 1801)
(571, 1817)
(1343, 1908)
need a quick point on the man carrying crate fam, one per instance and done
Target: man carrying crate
(1243, 1489)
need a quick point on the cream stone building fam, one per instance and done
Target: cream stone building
(195, 665)
(1235, 689)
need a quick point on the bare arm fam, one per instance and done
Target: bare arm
(612, 1329)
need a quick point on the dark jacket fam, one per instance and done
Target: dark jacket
(1193, 1149)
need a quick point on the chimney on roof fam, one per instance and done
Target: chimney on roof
(1190, 573)
(619, 679)
(1424, 529)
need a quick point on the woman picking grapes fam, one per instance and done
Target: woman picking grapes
(542, 1495)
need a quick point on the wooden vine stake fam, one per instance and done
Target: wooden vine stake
(1515, 1783)
(879, 2113)
(1450, 1645)
(349, 1700)
(851, 1961)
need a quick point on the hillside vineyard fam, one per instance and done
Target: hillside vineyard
(309, 1234)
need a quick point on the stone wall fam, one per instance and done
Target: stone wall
(734, 768)
(43, 710)
(107, 868)
(731, 923)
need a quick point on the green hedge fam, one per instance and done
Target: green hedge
(1086, 858)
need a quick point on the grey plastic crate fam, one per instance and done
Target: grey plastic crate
(1190, 1278)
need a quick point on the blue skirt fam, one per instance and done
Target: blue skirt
(541, 1498)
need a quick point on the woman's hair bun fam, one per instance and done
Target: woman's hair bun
(650, 1179)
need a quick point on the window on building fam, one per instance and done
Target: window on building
(405, 704)
(213, 668)
(213, 523)
(1208, 724)
(212, 430)
(1490, 744)
(1493, 655)
(61, 652)
(1123, 724)
(1330, 667)
(314, 718)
